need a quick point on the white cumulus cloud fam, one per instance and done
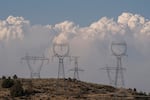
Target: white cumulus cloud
(12, 28)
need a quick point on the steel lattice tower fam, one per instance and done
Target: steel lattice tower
(61, 51)
(76, 69)
(119, 50)
(28, 59)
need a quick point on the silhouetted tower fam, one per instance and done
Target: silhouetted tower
(119, 50)
(76, 69)
(34, 70)
(61, 50)
(109, 71)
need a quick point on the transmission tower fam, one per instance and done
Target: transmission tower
(76, 69)
(61, 50)
(34, 72)
(109, 71)
(119, 50)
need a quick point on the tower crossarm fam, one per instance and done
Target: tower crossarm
(74, 69)
(28, 59)
(113, 68)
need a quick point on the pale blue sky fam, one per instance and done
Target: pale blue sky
(82, 12)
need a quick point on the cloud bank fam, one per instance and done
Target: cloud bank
(91, 43)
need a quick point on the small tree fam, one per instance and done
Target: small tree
(15, 77)
(9, 77)
(134, 90)
(7, 83)
(3, 77)
(17, 89)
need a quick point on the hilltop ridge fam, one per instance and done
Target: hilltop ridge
(66, 89)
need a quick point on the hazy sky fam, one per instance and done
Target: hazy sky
(89, 26)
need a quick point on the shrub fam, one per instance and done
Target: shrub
(134, 90)
(7, 83)
(3, 77)
(17, 89)
(15, 77)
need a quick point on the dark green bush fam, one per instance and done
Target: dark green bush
(3, 77)
(15, 77)
(17, 89)
(7, 83)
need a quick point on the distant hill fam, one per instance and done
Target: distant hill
(68, 89)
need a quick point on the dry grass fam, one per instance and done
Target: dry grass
(53, 89)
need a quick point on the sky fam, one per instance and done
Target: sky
(89, 27)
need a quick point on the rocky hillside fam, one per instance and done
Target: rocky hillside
(68, 89)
